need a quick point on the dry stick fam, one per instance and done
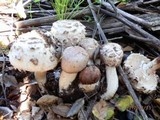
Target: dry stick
(127, 15)
(48, 19)
(153, 41)
(132, 93)
(97, 22)
(148, 2)
(2, 81)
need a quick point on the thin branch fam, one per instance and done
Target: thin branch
(153, 40)
(127, 15)
(132, 93)
(97, 22)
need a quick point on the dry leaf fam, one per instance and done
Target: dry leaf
(37, 113)
(8, 80)
(47, 100)
(76, 107)
(61, 110)
(157, 101)
(103, 110)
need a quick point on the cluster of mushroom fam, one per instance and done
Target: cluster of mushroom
(36, 51)
(78, 57)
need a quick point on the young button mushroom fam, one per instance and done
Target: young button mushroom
(68, 32)
(74, 59)
(142, 72)
(33, 54)
(89, 78)
(90, 45)
(111, 54)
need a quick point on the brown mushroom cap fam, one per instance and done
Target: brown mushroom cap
(74, 59)
(111, 54)
(90, 75)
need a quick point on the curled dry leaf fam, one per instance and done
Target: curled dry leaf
(103, 110)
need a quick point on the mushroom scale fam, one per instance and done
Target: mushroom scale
(68, 32)
(142, 72)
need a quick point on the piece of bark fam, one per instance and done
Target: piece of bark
(48, 19)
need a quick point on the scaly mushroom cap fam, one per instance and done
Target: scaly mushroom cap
(136, 67)
(68, 32)
(32, 53)
(90, 45)
(111, 54)
(74, 59)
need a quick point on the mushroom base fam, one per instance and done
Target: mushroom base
(88, 87)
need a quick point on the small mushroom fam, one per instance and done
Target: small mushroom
(74, 59)
(90, 45)
(68, 32)
(32, 53)
(89, 78)
(111, 54)
(142, 72)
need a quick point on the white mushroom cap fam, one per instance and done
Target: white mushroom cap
(74, 59)
(111, 54)
(138, 68)
(90, 45)
(68, 32)
(32, 54)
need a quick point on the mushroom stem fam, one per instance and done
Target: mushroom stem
(41, 79)
(65, 80)
(153, 65)
(112, 83)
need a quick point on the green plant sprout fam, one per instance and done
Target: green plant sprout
(64, 6)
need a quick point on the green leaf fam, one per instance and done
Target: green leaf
(124, 103)
(36, 1)
(103, 110)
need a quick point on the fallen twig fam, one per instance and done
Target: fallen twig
(97, 23)
(127, 15)
(155, 42)
(132, 93)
